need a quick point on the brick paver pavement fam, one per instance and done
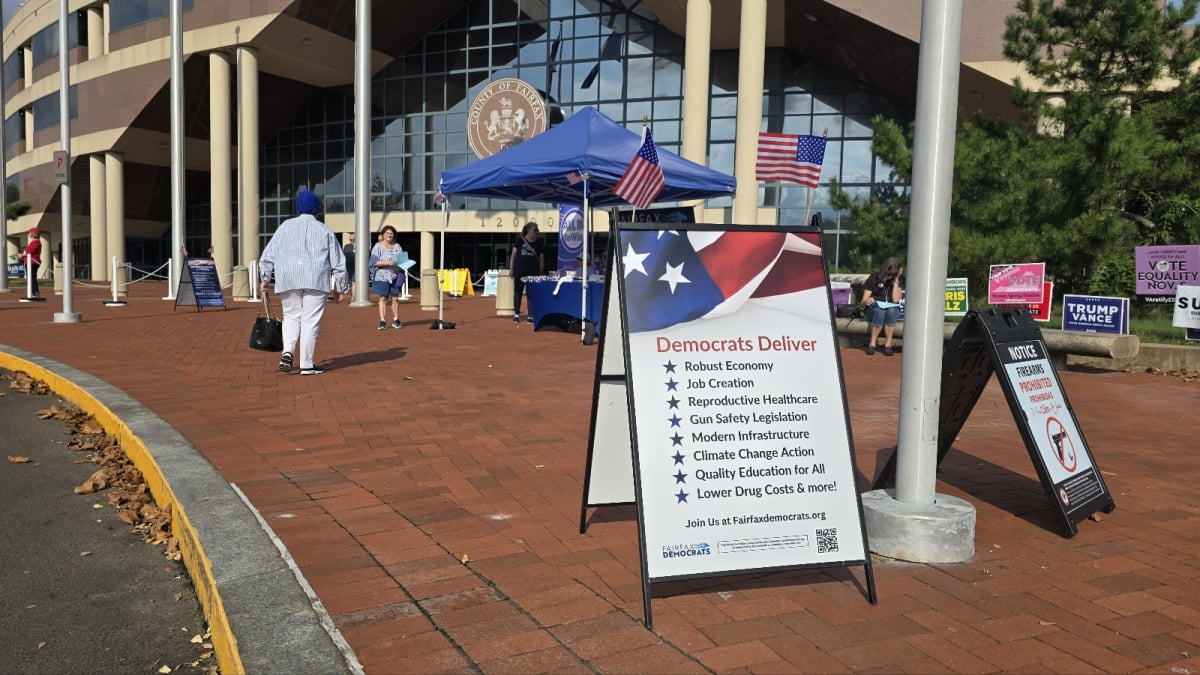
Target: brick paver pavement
(420, 449)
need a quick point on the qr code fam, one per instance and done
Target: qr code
(827, 541)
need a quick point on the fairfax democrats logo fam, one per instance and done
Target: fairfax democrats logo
(686, 550)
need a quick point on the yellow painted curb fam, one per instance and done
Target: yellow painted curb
(194, 558)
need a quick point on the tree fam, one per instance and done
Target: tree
(1108, 163)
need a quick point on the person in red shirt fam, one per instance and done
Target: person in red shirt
(33, 260)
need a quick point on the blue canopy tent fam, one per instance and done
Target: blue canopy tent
(590, 144)
(594, 151)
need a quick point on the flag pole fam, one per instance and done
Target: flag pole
(812, 189)
(440, 324)
(587, 230)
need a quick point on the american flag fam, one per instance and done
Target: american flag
(643, 179)
(681, 276)
(439, 197)
(789, 157)
(574, 178)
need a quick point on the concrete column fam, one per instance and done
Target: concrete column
(427, 247)
(27, 57)
(97, 43)
(106, 13)
(114, 189)
(696, 72)
(751, 59)
(28, 127)
(220, 174)
(248, 224)
(101, 265)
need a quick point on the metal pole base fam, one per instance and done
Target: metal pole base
(31, 299)
(68, 317)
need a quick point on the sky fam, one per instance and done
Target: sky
(10, 7)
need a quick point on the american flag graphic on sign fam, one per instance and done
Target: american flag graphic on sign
(683, 276)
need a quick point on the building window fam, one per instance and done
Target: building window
(45, 42)
(45, 109)
(128, 13)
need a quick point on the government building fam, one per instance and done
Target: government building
(268, 109)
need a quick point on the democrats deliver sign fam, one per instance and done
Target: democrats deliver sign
(1096, 314)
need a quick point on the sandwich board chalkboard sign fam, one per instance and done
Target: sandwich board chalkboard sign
(738, 428)
(199, 285)
(1008, 342)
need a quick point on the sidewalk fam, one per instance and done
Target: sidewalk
(418, 450)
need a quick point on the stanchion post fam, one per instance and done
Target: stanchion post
(116, 300)
(254, 280)
(170, 275)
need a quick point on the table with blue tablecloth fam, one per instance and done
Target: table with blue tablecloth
(553, 302)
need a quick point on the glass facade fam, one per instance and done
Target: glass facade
(45, 109)
(45, 42)
(128, 13)
(578, 54)
(14, 131)
(14, 68)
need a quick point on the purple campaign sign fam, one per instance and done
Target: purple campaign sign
(1160, 269)
(1096, 314)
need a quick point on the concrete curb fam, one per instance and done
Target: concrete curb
(261, 617)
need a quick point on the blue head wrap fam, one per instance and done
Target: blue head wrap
(307, 202)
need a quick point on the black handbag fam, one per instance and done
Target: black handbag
(267, 333)
(849, 312)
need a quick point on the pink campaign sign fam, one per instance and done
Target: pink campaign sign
(1019, 284)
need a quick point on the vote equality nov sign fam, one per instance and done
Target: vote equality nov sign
(1096, 314)
(1162, 269)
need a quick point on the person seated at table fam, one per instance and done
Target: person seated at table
(527, 259)
(594, 271)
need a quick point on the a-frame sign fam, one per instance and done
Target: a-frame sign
(719, 407)
(199, 285)
(1008, 342)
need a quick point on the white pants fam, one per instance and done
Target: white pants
(302, 312)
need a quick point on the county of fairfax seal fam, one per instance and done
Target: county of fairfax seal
(504, 113)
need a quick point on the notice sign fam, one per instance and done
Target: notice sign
(1063, 455)
(1161, 269)
(742, 445)
(1096, 314)
(1016, 284)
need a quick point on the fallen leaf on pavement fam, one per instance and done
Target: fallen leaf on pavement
(18, 459)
